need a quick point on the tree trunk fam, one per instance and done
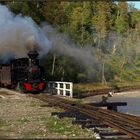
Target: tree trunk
(62, 78)
(103, 74)
(54, 58)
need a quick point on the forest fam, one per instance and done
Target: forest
(104, 36)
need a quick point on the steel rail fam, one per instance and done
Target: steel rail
(117, 115)
(96, 114)
(116, 119)
(131, 123)
(128, 116)
(113, 113)
(104, 120)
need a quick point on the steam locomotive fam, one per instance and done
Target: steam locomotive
(24, 74)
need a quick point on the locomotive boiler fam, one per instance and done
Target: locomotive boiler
(24, 74)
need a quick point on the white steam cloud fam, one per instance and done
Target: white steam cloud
(63, 46)
(18, 34)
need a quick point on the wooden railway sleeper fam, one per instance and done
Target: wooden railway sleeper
(97, 115)
(92, 110)
(130, 133)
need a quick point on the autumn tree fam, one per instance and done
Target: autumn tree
(28, 8)
(135, 19)
(80, 20)
(101, 25)
(122, 23)
(101, 18)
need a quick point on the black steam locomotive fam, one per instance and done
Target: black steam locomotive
(24, 74)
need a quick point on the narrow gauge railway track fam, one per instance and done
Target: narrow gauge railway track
(124, 123)
(89, 93)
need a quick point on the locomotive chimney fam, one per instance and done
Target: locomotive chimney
(33, 58)
(33, 54)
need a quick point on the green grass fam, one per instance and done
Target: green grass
(2, 123)
(89, 86)
(23, 120)
(82, 87)
(4, 128)
(65, 127)
(61, 127)
(58, 126)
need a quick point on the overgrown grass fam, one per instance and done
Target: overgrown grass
(89, 86)
(4, 127)
(23, 120)
(58, 126)
(2, 123)
(65, 127)
(82, 87)
(61, 127)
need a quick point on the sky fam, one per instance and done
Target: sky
(137, 4)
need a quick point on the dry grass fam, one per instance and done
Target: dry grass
(90, 86)
(82, 87)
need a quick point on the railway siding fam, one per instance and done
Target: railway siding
(126, 125)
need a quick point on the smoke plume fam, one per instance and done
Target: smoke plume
(63, 46)
(18, 34)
